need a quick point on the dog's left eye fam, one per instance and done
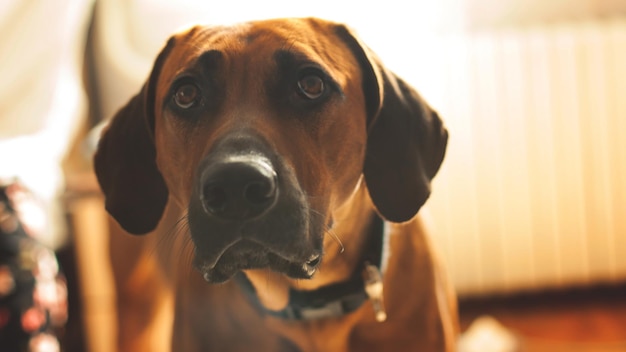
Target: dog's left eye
(186, 96)
(311, 86)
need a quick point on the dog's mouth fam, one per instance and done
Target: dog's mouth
(249, 211)
(245, 254)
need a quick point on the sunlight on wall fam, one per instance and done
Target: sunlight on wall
(132, 32)
(389, 22)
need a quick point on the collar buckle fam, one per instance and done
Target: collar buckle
(373, 282)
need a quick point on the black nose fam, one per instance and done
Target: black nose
(239, 188)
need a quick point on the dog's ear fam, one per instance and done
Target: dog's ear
(406, 139)
(125, 161)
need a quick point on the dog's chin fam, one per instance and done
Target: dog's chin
(245, 255)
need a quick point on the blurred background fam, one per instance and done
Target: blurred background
(528, 210)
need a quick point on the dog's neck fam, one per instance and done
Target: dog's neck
(343, 248)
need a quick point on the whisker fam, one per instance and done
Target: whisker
(175, 250)
(186, 253)
(330, 231)
(175, 228)
(336, 238)
(168, 238)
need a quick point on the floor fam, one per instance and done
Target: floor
(575, 320)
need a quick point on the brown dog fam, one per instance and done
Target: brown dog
(271, 150)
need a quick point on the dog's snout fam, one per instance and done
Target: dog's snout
(239, 188)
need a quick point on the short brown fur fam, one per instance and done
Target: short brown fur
(371, 148)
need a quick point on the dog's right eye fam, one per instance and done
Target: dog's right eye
(187, 96)
(311, 86)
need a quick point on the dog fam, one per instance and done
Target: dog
(279, 166)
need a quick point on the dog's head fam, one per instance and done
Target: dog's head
(261, 131)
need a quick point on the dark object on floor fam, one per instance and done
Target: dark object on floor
(33, 294)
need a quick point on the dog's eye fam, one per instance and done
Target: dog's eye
(187, 96)
(311, 86)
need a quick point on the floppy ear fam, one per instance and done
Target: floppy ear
(125, 161)
(406, 139)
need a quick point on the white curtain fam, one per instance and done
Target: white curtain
(41, 97)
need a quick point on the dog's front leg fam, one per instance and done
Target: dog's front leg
(144, 300)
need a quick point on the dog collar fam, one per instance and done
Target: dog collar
(341, 298)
